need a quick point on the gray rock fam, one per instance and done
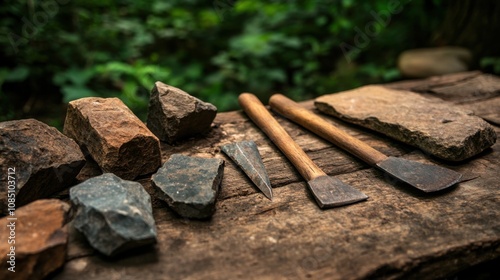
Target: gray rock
(423, 63)
(438, 128)
(189, 185)
(174, 114)
(246, 155)
(41, 161)
(115, 215)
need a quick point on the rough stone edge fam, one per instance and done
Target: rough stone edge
(158, 193)
(54, 242)
(77, 207)
(424, 142)
(161, 133)
(105, 148)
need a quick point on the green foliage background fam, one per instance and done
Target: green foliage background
(211, 49)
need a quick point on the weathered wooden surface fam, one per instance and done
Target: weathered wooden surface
(397, 233)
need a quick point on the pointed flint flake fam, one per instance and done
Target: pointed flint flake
(246, 155)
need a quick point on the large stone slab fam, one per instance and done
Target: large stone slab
(438, 128)
(36, 160)
(115, 138)
(173, 114)
(115, 215)
(190, 185)
(34, 240)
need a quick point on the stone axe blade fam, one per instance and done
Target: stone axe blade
(246, 155)
(328, 191)
(425, 177)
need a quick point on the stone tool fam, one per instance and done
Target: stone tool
(328, 191)
(246, 155)
(425, 177)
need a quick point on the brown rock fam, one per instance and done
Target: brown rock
(436, 127)
(422, 63)
(35, 240)
(38, 158)
(174, 114)
(115, 138)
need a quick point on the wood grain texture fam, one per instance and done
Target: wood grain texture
(398, 233)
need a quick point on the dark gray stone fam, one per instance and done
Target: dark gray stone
(190, 185)
(42, 161)
(438, 128)
(174, 114)
(115, 215)
(246, 155)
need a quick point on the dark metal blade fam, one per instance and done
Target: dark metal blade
(246, 155)
(426, 177)
(331, 192)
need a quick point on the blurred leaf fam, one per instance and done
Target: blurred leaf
(391, 74)
(493, 62)
(3, 73)
(17, 74)
(75, 76)
(74, 92)
(347, 3)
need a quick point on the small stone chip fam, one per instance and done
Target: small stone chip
(437, 128)
(39, 159)
(190, 185)
(115, 215)
(174, 114)
(34, 240)
(115, 138)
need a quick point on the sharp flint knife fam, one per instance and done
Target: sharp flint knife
(246, 155)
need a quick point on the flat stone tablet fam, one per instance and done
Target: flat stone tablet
(438, 128)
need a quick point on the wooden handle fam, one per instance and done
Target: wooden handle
(265, 121)
(316, 124)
